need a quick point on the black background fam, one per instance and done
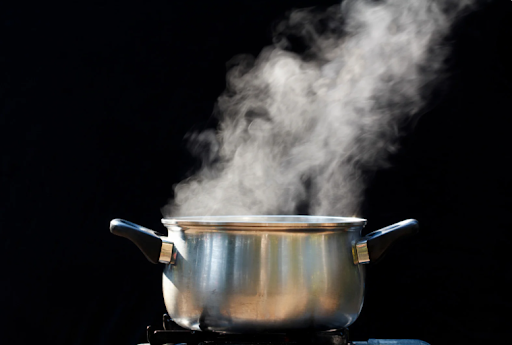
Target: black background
(96, 98)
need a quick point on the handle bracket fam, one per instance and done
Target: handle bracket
(166, 252)
(362, 256)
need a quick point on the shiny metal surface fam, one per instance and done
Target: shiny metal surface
(253, 278)
(267, 222)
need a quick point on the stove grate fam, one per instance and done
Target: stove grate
(174, 334)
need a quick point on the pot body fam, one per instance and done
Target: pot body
(257, 280)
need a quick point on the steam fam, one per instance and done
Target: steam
(297, 130)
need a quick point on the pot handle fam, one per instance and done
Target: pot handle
(155, 246)
(373, 246)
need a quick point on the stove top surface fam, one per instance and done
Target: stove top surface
(174, 334)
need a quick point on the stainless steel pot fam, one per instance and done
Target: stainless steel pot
(244, 274)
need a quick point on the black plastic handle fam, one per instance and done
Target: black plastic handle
(380, 240)
(148, 241)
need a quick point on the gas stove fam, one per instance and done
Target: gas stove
(174, 334)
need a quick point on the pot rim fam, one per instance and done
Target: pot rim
(265, 222)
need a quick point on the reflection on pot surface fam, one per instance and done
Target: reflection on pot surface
(234, 278)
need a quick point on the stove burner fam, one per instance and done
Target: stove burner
(174, 334)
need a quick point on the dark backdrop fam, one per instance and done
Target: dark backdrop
(96, 98)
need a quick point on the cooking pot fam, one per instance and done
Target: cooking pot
(244, 274)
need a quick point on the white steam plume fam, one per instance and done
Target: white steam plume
(300, 128)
